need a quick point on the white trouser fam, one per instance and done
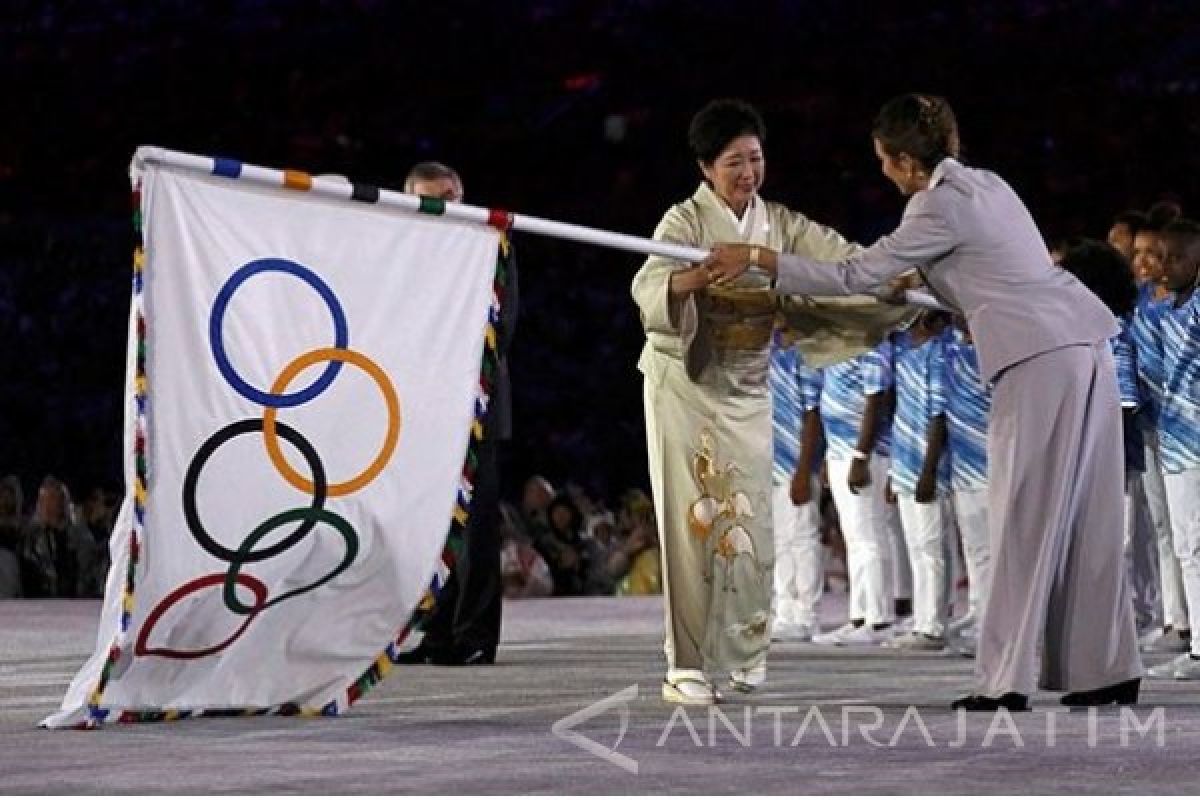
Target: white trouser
(956, 567)
(1183, 501)
(1141, 555)
(1175, 610)
(868, 546)
(902, 569)
(799, 564)
(971, 511)
(929, 553)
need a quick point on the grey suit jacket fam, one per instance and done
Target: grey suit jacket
(980, 253)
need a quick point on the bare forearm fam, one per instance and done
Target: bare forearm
(936, 445)
(872, 414)
(810, 438)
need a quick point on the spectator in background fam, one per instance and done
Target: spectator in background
(522, 566)
(600, 542)
(57, 552)
(97, 513)
(535, 500)
(561, 545)
(1125, 228)
(11, 525)
(638, 563)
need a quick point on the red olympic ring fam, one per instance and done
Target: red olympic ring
(215, 579)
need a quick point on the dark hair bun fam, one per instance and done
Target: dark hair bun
(921, 125)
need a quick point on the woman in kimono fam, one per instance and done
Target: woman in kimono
(1054, 438)
(708, 408)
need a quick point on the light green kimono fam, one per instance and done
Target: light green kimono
(708, 420)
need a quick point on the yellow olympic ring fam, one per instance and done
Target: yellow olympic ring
(393, 429)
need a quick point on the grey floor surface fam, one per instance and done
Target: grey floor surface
(831, 720)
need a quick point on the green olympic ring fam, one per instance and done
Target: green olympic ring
(294, 515)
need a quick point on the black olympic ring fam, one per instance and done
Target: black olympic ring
(192, 477)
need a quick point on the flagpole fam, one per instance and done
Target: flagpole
(339, 188)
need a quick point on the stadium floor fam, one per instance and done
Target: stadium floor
(830, 721)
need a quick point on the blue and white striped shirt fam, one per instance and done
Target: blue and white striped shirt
(968, 406)
(1126, 361)
(1145, 331)
(1179, 415)
(795, 389)
(1129, 387)
(920, 397)
(844, 400)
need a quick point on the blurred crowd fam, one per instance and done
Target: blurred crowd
(59, 548)
(566, 543)
(573, 111)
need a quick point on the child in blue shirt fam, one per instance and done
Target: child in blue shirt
(920, 476)
(1146, 330)
(1179, 423)
(853, 413)
(795, 492)
(968, 407)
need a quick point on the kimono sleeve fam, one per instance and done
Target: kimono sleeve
(660, 313)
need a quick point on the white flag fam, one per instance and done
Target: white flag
(303, 377)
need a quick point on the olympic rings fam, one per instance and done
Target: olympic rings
(307, 514)
(341, 332)
(249, 581)
(390, 438)
(192, 477)
(317, 486)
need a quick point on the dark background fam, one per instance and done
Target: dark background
(572, 111)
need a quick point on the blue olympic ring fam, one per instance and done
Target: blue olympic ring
(216, 338)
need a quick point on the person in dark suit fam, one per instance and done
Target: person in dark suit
(464, 628)
(1054, 438)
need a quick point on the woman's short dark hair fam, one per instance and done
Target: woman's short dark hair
(1162, 214)
(719, 123)
(921, 125)
(1133, 219)
(1182, 228)
(1100, 267)
(562, 500)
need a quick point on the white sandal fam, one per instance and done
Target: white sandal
(689, 690)
(747, 680)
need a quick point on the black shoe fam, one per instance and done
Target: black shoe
(422, 654)
(1121, 694)
(464, 657)
(1011, 701)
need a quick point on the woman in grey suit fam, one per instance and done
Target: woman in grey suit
(1054, 441)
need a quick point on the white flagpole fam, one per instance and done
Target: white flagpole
(341, 189)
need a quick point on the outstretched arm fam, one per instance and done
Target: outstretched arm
(924, 235)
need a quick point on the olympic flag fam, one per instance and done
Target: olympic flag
(304, 380)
